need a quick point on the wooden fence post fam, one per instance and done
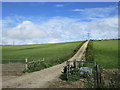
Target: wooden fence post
(97, 75)
(26, 66)
(95, 78)
(100, 75)
(43, 59)
(67, 71)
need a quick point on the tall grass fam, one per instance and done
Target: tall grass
(90, 52)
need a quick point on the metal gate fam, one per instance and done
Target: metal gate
(86, 66)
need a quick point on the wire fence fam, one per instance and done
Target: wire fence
(4, 61)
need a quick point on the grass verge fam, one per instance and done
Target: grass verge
(89, 56)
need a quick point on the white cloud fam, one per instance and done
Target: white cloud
(97, 12)
(54, 41)
(30, 43)
(78, 10)
(26, 30)
(62, 29)
(59, 5)
(0, 31)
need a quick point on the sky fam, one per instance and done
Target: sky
(55, 22)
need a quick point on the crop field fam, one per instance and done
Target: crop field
(50, 52)
(106, 53)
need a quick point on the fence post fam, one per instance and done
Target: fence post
(26, 66)
(95, 78)
(67, 71)
(97, 75)
(100, 75)
(43, 59)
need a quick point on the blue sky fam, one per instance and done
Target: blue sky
(49, 9)
(53, 22)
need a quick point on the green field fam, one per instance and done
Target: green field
(50, 52)
(106, 53)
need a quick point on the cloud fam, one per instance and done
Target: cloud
(61, 29)
(26, 30)
(78, 10)
(0, 31)
(54, 41)
(97, 12)
(59, 5)
(102, 23)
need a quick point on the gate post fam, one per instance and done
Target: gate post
(95, 76)
(26, 66)
(97, 72)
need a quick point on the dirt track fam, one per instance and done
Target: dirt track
(41, 79)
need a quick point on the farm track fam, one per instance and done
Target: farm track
(42, 79)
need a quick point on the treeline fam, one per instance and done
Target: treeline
(103, 39)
